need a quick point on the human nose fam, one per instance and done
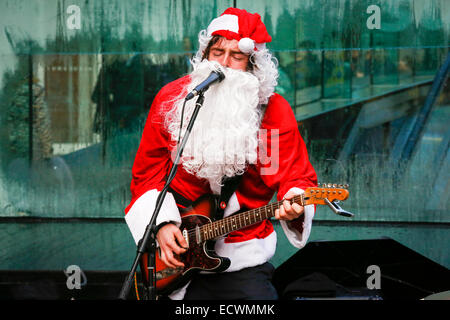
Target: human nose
(225, 60)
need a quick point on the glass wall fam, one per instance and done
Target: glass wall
(77, 84)
(77, 80)
(335, 57)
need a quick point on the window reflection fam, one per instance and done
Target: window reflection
(366, 142)
(88, 113)
(67, 80)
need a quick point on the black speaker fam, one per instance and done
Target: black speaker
(359, 269)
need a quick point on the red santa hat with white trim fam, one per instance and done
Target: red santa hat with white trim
(245, 27)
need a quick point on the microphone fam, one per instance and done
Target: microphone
(215, 75)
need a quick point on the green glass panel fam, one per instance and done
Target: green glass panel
(345, 24)
(114, 26)
(360, 145)
(55, 245)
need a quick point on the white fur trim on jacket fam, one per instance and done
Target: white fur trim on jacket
(248, 253)
(141, 212)
(232, 206)
(296, 238)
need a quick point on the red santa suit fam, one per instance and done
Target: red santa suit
(288, 169)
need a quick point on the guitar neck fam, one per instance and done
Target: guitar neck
(241, 220)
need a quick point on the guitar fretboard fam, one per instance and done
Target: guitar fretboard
(239, 221)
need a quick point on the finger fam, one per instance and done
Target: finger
(173, 245)
(295, 212)
(291, 214)
(287, 205)
(173, 262)
(297, 208)
(164, 259)
(181, 240)
(277, 214)
(282, 213)
(289, 195)
(180, 246)
(288, 214)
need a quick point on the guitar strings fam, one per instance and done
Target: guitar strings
(218, 226)
(239, 216)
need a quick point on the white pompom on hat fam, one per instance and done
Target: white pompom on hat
(246, 45)
(243, 26)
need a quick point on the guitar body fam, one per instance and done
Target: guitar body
(199, 256)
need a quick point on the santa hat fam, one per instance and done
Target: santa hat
(243, 26)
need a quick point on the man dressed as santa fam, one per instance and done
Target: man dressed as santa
(243, 129)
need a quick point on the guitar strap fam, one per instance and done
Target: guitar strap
(179, 199)
(230, 185)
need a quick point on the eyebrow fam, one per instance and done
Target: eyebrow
(232, 51)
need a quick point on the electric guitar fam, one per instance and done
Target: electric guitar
(200, 230)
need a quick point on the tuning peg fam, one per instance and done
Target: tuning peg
(334, 185)
(346, 186)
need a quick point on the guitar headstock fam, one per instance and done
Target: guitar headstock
(332, 192)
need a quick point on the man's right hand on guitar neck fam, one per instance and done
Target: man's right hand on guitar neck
(171, 242)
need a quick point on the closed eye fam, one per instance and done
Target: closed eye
(217, 52)
(239, 56)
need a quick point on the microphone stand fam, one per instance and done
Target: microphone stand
(148, 241)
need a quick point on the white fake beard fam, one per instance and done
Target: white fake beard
(224, 138)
